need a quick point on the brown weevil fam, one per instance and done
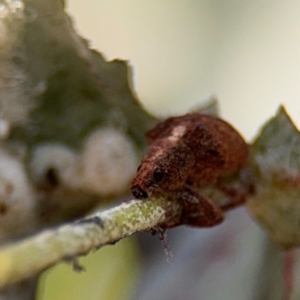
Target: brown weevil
(187, 152)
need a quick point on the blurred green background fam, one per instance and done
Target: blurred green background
(110, 273)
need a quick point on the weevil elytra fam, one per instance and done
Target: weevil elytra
(191, 151)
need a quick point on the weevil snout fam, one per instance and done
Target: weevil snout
(138, 192)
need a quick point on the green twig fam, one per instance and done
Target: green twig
(29, 257)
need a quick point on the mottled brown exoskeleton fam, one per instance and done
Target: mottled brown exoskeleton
(190, 151)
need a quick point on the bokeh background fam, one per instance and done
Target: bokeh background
(246, 53)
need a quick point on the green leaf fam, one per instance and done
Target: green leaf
(276, 161)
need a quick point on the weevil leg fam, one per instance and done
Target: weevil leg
(198, 210)
(237, 196)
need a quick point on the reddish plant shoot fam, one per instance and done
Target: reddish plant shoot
(187, 152)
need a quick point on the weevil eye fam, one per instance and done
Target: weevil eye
(158, 175)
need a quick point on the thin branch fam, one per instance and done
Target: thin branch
(29, 257)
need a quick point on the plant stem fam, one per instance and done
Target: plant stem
(29, 257)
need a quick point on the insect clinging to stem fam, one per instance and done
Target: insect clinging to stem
(190, 151)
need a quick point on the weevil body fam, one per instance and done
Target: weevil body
(190, 150)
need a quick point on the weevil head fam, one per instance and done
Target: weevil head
(149, 179)
(164, 168)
